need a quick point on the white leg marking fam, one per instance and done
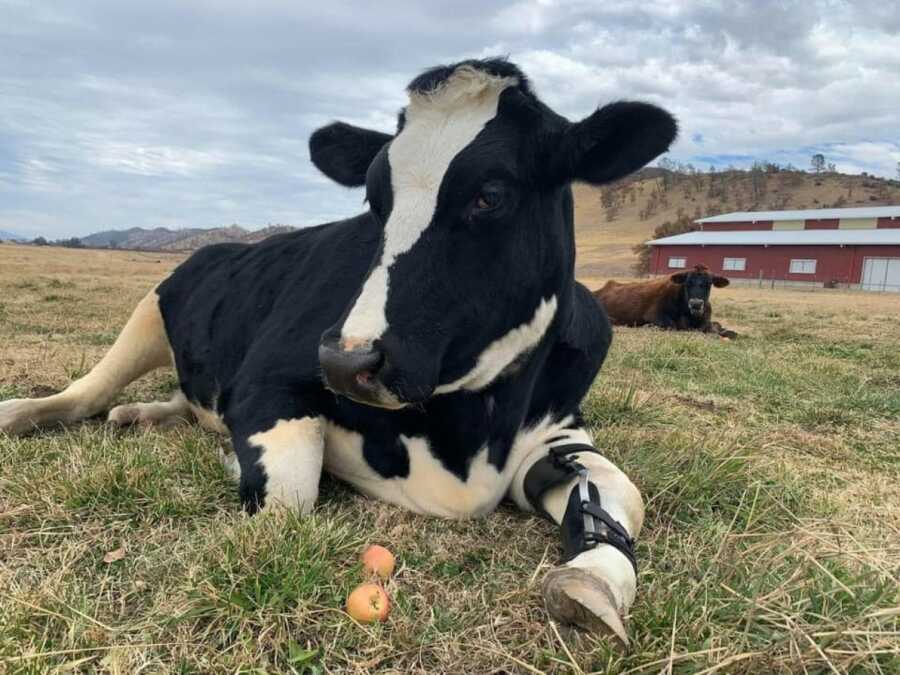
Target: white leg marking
(142, 346)
(156, 413)
(292, 459)
(438, 126)
(503, 351)
(619, 497)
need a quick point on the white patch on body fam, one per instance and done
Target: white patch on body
(505, 350)
(291, 456)
(430, 488)
(438, 126)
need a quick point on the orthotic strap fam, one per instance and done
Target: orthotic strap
(585, 523)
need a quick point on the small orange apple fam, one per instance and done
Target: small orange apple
(368, 603)
(378, 560)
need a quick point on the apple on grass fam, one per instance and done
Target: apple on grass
(378, 560)
(368, 603)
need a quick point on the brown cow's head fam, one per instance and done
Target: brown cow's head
(696, 285)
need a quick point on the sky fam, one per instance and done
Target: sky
(196, 113)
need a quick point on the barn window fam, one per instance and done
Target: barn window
(734, 264)
(677, 263)
(801, 266)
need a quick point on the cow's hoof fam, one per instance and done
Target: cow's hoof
(15, 416)
(229, 462)
(575, 597)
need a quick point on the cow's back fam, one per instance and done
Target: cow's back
(231, 304)
(631, 304)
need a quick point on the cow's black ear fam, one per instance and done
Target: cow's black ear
(343, 152)
(616, 140)
(678, 277)
(720, 282)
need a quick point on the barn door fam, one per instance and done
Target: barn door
(881, 274)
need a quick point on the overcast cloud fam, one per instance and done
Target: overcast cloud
(197, 113)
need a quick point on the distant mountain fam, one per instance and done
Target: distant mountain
(10, 236)
(188, 239)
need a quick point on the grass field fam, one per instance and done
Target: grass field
(769, 466)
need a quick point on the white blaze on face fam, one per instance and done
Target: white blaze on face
(439, 125)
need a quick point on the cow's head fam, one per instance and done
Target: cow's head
(695, 287)
(477, 254)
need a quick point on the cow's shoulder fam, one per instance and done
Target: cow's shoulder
(239, 313)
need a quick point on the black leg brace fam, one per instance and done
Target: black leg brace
(585, 523)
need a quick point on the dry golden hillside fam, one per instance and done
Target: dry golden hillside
(610, 220)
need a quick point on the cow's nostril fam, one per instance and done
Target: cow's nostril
(351, 372)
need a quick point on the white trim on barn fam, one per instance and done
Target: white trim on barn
(882, 237)
(805, 214)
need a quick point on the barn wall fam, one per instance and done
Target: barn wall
(822, 224)
(787, 225)
(842, 264)
(737, 227)
(889, 222)
(858, 223)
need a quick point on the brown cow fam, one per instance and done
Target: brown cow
(677, 302)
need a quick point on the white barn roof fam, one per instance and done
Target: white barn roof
(805, 214)
(872, 237)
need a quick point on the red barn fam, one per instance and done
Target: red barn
(858, 247)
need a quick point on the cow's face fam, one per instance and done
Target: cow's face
(696, 286)
(476, 261)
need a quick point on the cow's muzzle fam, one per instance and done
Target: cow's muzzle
(354, 373)
(696, 306)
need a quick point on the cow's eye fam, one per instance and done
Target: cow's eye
(488, 199)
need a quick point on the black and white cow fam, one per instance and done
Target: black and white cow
(432, 351)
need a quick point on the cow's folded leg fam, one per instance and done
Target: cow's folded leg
(279, 454)
(600, 512)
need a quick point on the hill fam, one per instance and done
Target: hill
(164, 239)
(10, 236)
(610, 220)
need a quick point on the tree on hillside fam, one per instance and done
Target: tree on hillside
(683, 223)
(818, 163)
(39, 241)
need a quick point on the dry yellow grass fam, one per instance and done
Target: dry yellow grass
(769, 465)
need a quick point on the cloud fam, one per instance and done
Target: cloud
(197, 113)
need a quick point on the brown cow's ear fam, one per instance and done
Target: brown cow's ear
(678, 277)
(616, 140)
(720, 282)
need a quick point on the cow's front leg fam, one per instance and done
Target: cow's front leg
(600, 512)
(279, 451)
